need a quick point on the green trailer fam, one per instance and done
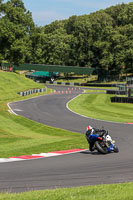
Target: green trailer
(43, 76)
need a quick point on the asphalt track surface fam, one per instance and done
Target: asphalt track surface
(72, 170)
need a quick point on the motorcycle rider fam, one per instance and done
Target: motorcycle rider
(90, 131)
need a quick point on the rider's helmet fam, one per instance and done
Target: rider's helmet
(90, 130)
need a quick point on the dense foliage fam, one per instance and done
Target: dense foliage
(103, 39)
(16, 25)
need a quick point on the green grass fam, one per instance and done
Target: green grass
(12, 83)
(99, 192)
(20, 136)
(99, 106)
(94, 91)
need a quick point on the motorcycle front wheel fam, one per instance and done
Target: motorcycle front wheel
(116, 150)
(101, 148)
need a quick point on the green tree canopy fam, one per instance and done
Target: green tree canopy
(103, 39)
(15, 26)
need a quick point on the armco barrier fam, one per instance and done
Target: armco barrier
(63, 83)
(82, 84)
(35, 90)
(122, 99)
(119, 92)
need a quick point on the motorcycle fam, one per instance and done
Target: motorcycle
(103, 144)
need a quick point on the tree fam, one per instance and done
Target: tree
(100, 40)
(16, 25)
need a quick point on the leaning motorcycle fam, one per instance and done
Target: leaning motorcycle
(103, 144)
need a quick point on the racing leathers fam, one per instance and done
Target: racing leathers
(93, 131)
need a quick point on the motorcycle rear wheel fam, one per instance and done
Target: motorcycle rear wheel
(100, 147)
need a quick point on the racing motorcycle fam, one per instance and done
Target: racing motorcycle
(103, 144)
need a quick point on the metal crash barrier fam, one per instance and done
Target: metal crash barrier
(28, 92)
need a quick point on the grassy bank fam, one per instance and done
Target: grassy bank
(20, 136)
(100, 192)
(99, 106)
(94, 91)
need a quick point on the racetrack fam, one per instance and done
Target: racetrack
(69, 170)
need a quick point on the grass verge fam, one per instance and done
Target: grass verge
(100, 192)
(94, 91)
(99, 106)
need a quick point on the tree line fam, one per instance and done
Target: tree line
(103, 39)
